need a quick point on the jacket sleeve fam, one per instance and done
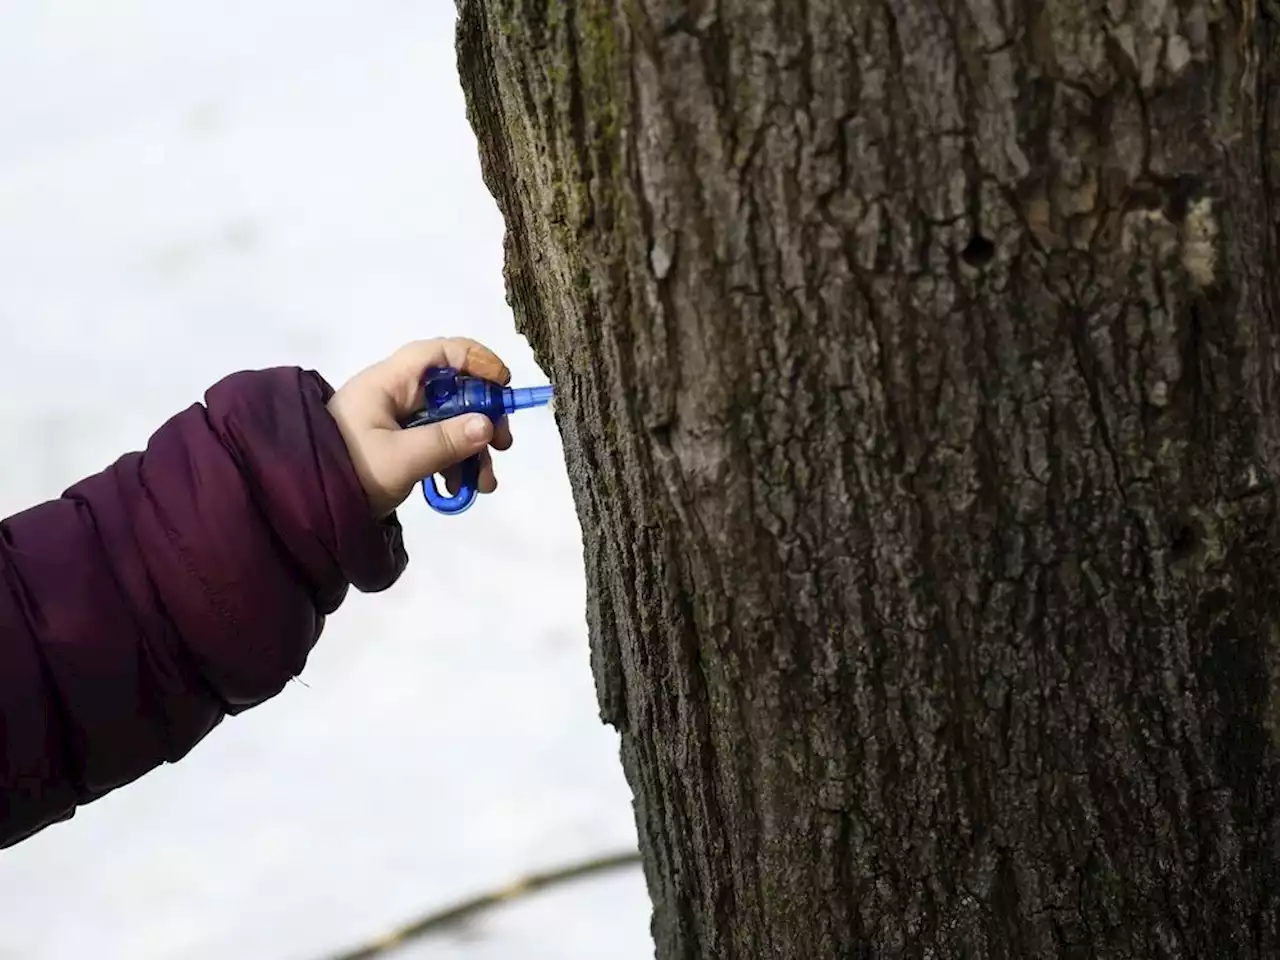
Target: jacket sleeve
(181, 584)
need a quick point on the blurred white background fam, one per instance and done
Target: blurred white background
(188, 189)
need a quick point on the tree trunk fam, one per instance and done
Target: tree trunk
(918, 376)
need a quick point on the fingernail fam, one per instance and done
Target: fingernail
(477, 428)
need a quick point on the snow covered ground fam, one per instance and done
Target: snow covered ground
(187, 189)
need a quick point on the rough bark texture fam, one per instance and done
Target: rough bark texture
(919, 376)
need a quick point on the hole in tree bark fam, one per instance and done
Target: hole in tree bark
(1184, 541)
(978, 251)
(1178, 193)
(1172, 196)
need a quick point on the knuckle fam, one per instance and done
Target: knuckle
(448, 444)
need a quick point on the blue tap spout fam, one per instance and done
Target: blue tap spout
(524, 398)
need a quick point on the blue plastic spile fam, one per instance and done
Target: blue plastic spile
(450, 395)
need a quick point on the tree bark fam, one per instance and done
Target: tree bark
(918, 374)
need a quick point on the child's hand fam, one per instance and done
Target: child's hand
(388, 460)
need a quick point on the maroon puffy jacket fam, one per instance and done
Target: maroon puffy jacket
(179, 585)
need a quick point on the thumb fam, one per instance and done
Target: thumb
(431, 449)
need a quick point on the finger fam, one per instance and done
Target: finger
(488, 479)
(487, 483)
(434, 448)
(502, 438)
(453, 480)
(477, 360)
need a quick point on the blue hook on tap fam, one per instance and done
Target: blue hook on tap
(449, 395)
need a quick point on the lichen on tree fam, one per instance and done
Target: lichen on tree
(917, 375)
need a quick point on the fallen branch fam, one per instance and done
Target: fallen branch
(443, 919)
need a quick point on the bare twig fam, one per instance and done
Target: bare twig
(443, 919)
